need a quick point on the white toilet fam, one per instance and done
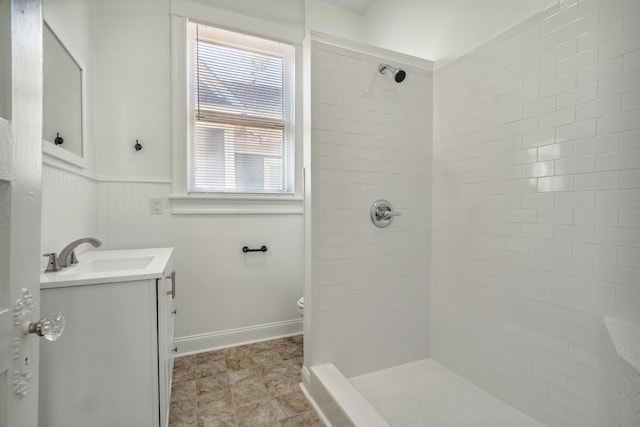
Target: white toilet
(300, 306)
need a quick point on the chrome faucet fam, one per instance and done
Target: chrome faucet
(68, 256)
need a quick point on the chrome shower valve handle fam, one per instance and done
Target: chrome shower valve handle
(386, 213)
(382, 213)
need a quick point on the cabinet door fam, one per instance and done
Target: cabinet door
(166, 287)
(103, 370)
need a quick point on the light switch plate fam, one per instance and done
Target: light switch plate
(156, 206)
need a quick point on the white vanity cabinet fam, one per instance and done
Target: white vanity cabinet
(112, 365)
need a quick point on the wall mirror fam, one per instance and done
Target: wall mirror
(63, 126)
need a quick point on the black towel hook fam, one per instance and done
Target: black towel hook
(138, 146)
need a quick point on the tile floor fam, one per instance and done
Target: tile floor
(250, 385)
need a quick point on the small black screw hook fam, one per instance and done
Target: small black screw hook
(59, 140)
(138, 146)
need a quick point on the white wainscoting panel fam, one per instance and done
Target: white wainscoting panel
(69, 208)
(220, 288)
(125, 216)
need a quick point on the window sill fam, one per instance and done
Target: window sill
(235, 205)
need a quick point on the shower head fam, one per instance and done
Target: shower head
(398, 74)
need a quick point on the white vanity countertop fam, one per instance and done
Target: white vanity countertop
(110, 266)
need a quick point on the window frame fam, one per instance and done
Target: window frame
(234, 121)
(182, 201)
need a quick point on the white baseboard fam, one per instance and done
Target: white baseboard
(315, 405)
(232, 337)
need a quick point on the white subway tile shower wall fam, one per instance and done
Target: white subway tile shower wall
(536, 219)
(371, 139)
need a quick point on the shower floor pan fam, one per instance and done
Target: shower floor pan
(418, 394)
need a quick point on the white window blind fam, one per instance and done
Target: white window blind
(241, 110)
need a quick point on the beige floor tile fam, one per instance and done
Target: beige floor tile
(264, 346)
(183, 361)
(243, 376)
(282, 385)
(290, 352)
(183, 412)
(183, 374)
(256, 414)
(306, 419)
(222, 419)
(212, 367)
(184, 424)
(284, 369)
(209, 356)
(238, 352)
(267, 358)
(184, 390)
(290, 404)
(253, 385)
(215, 406)
(239, 363)
(211, 384)
(248, 391)
(205, 399)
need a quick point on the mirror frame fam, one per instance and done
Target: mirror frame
(48, 147)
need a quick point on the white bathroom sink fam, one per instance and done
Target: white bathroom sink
(110, 266)
(106, 265)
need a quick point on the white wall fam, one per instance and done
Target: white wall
(223, 297)
(400, 26)
(536, 205)
(327, 18)
(133, 88)
(370, 140)
(441, 31)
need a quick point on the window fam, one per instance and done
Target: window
(241, 110)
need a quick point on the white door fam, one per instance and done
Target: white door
(20, 204)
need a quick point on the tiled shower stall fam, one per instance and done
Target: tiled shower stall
(520, 226)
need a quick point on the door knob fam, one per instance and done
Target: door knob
(48, 327)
